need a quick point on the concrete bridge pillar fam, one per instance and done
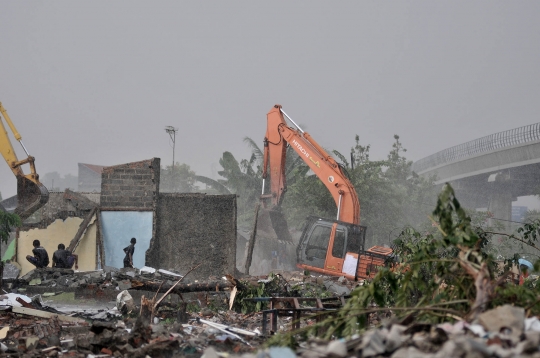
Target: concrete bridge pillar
(500, 201)
(500, 205)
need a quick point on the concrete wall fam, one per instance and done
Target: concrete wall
(133, 185)
(193, 229)
(59, 232)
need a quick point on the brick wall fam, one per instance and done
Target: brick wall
(131, 185)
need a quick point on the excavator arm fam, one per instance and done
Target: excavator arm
(330, 247)
(31, 194)
(278, 135)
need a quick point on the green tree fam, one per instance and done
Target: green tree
(390, 195)
(7, 223)
(244, 178)
(181, 179)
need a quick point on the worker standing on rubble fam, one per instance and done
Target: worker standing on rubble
(63, 258)
(130, 250)
(40, 258)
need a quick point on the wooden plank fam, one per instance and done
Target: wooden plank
(251, 244)
(82, 228)
(44, 314)
(99, 240)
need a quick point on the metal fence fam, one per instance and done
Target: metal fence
(488, 143)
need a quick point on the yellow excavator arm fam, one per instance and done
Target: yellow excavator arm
(31, 194)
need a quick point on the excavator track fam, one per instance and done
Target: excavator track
(30, 197)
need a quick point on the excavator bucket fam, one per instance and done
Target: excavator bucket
(30, 197)
(272, 223)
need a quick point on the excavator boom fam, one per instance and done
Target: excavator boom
(278, 135)
(31, 194)
(331, 247)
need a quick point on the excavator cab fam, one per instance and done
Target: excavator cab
(336, 248)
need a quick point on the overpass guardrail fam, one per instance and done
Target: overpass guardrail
(488, 143)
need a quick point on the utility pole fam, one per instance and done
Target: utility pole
(172, 133)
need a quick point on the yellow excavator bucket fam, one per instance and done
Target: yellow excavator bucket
(31, 194)
(30, 197)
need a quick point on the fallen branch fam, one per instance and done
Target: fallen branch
(155, 306)
(159, 287)
(511, 236)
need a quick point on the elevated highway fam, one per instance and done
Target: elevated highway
(489, 172)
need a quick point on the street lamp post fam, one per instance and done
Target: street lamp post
(172, 133)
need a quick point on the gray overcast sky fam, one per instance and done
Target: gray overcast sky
(97, 81)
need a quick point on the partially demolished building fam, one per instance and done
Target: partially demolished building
(173, 230)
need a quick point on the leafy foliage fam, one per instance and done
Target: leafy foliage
(275, 286)
(390, 195)
(178, 179)
(434, 277)
(244, 178)
(7, 222)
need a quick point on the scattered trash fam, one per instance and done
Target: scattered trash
(10, 299)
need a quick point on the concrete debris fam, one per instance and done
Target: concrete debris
(11, 272)
(111, 279)
(373, 343)
(147, 270)
(337, 287)
(336, 348)
(170, 274)
(505, 318)
(124, 302)
(200, 324)
(532, 324)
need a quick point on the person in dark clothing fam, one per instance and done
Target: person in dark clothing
(63, 258)
(40, 258)
(130, 250)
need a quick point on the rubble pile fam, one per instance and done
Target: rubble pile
(24, 333)
(108, 278)
(202, 327)
(503, 332)
(211, 331)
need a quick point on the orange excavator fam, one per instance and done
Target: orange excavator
(330, 247)
(31, 194)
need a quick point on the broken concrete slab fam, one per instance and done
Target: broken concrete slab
(337, 288)
(44, 314)
(506, 316)
(11, 272)
(124, 285)
(124, 302)
(147, 270)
